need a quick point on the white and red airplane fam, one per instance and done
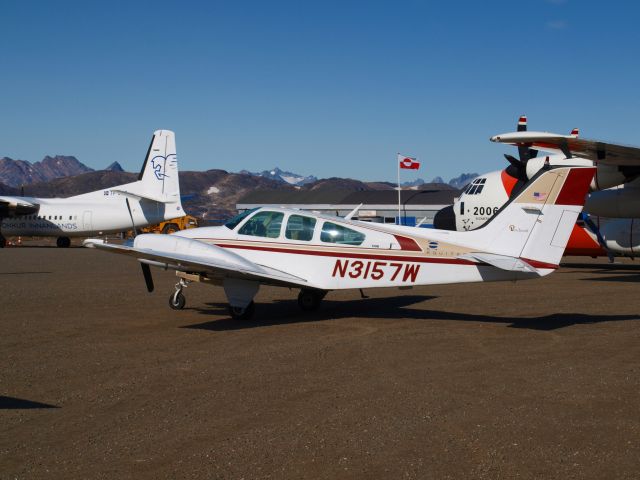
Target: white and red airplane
(615, 189)
(155, 197)
(317, 253)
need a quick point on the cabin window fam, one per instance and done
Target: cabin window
(235, 221)
(300, 228)
(263, 224)
(70, 217)
(334, 233)
(49, 217)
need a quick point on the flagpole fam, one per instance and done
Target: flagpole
(398, 165)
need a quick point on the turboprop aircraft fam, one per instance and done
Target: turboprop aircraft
(317, 253)
(153, 198)
(615, 189)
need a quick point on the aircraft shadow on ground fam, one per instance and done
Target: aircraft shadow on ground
(281, 312)
(12, 403)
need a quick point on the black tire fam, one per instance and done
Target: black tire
(177, 301)
(3, 242)
(242, 313)
(309, 300)
(63, 242)
(170, 228)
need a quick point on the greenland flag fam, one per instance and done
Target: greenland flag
(408, 162)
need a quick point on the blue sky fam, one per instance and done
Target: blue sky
(325, 88)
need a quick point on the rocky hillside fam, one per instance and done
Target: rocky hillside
(15, 173)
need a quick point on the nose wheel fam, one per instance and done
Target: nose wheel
(177, 299)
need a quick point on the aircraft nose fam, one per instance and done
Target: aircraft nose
(445, 219)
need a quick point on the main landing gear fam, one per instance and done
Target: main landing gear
(238, 313)
(240, 294)
(309, 299)
(177, 300)
(63, 242)
(3, 241)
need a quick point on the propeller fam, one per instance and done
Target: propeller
(146, 270)
(518, 167)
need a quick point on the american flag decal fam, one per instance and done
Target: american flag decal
(539, 195)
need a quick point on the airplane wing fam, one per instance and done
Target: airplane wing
(191, 256)
(601, 152)
(15, 206)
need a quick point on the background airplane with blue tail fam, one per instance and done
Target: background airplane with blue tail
(153, 198)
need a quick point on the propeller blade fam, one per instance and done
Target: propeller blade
(513, 160)
(517, 169)
(148, 279)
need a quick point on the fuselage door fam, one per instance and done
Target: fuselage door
(86, 220)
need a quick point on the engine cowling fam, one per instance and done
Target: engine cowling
(621, 202)
(622, 236)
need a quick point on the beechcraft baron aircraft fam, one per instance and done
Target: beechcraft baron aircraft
(316, 253)
(615, 189)
(155, 197)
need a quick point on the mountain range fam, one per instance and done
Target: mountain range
(211, 194)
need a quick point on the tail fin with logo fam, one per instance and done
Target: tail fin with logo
(158, 180)
(531, 231)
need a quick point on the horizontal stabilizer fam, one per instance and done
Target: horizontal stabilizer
(503, 262)
(143, 196)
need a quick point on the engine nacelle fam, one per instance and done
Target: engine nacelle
(622, 236)
(621, 202)
(606, 176)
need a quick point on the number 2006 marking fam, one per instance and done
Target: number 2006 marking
(374, 270)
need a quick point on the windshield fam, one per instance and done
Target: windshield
(233, 223)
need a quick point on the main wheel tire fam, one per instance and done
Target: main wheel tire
(170, 228)
(63, 242)
(177, 301)
(309, 300)
(3, 242)
(238, 313)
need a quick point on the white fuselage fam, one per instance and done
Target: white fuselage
(95, 213)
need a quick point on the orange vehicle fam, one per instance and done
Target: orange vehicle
(169, 226)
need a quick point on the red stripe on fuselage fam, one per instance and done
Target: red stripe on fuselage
(371, 256)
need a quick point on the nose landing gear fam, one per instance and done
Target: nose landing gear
(177, 299)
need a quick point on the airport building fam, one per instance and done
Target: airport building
(417, 207)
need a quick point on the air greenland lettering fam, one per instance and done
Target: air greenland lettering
(374, 270)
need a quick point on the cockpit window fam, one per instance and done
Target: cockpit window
(233, 223)
(300, 228)
(263, 224)
(333, 233)
(476, 186)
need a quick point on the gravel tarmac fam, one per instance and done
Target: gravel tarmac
(99, 379)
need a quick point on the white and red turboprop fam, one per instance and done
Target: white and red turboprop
(317, 254)
(615, 189)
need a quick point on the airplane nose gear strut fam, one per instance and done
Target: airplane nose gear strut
(177, 300)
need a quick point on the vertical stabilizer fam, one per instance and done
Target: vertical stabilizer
(535, 225)
(159, 175)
